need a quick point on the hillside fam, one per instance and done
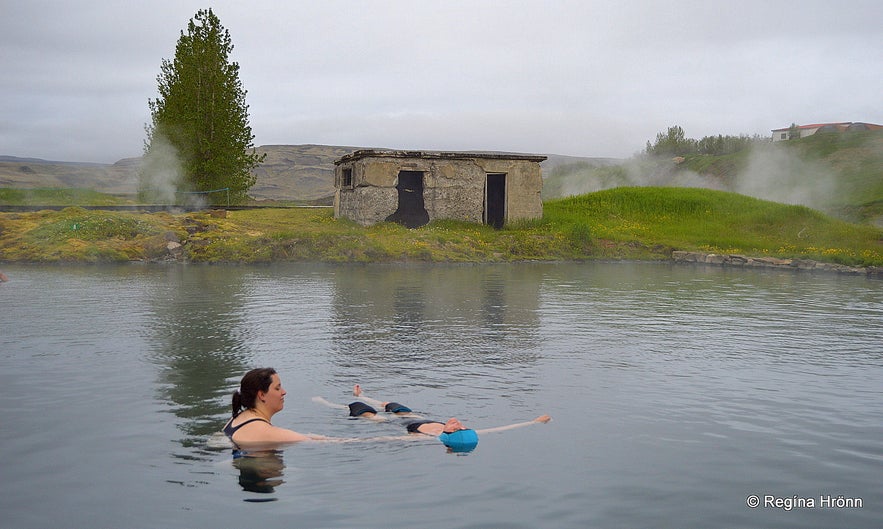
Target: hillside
(119, 178)
(303, 173)
(840, 174)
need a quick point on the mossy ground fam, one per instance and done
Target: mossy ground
(622, 223)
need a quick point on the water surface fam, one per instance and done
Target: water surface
(677, 393)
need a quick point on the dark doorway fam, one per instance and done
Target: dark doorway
(411, 211)
(495, 200)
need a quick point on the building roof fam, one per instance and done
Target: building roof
(437, 155)
(838, 124)
(813, 126)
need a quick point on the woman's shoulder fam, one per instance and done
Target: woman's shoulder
(259, 431)
(248, 420)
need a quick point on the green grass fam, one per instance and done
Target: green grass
(622, 223)
(76, 234)
(717, 222)
(58, 197)
(839, 174)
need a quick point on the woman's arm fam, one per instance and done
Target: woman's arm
(540, 419)
(260, 433)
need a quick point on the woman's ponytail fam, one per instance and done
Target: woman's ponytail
(237, 403)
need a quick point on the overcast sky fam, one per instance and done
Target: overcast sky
(584, 77)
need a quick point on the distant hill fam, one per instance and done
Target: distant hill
(297, 172)
(289, 172)
(120, 178)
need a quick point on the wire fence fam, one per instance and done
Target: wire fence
(206, 193)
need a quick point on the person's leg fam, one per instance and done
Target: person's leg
(357, 391)
(356, 409)
(390, 407)
(320, 400)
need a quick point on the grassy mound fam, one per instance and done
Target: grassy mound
(717, 222)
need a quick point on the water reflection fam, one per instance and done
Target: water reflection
(196, 334)
(260, 471)
(392, 319)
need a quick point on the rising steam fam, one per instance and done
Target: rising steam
(161, 174)
(772, 173)
(781, 175)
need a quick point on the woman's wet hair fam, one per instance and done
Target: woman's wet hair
(254, 381)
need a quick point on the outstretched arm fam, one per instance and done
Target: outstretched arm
(540, 419)
(407, 437)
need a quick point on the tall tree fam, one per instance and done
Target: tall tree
(200, 119)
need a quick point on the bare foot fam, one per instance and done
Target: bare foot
(542, 418)
(357, 390)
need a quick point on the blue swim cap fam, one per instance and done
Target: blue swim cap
(460, 441)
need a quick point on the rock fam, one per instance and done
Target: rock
(679, 256)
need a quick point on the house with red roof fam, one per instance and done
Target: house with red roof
(802, 131)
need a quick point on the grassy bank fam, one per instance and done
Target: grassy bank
(717, 222)
(623, 223)
(59, 197)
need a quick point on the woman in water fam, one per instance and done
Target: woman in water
(259, 397)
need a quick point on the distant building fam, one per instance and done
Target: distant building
(416, 187)
(808, 130)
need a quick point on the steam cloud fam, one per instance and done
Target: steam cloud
(781, 176)
(161, 173)
(772, 173)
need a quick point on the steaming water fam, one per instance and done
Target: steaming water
(676, 393)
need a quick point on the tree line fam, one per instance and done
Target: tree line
(674, 142)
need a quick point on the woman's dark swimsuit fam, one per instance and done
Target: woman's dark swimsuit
(395, 407)
(358, 408)
(229, 429)
(413, 426)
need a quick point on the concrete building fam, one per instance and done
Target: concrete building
(416, 187)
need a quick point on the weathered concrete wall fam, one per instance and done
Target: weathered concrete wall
(453, 184)
(524, 183)
(366, 205)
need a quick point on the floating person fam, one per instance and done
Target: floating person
(3, 278)
(364, 409)
(451, 433)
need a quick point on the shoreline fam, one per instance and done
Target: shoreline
(801, 265)
(678, 257)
